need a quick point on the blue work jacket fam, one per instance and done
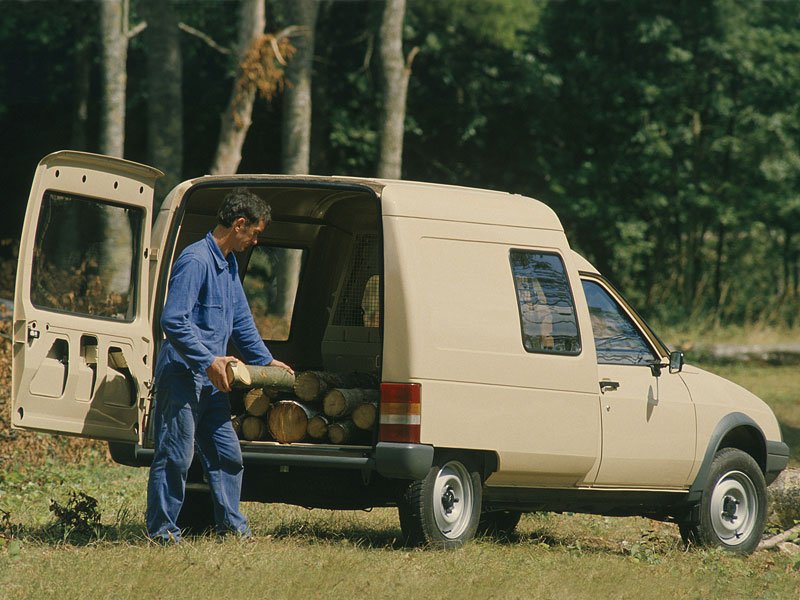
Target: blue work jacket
(205, 309)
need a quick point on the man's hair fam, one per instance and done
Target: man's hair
(241, 202)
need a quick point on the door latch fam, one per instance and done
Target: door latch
(606, 385)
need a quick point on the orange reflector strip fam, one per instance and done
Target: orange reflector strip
(400, 418)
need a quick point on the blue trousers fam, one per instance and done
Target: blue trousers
(191, 413)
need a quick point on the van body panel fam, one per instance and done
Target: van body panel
(481, 389)
(649, 430)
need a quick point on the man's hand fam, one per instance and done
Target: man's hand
(216, 373)
(276, 363)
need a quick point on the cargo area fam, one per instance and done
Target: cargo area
(314, 287)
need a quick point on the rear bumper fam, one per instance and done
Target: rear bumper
(777, 459)
(391, 460)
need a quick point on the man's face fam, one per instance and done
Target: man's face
(246, 235)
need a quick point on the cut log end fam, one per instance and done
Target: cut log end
(253, 428)
(364, 415)
(288, 421)
(256, 402)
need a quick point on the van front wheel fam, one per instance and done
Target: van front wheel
(444, 508)
(733, 509)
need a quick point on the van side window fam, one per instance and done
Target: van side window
(546, 307)
(86, 257)
(616, 338)
(270, 284)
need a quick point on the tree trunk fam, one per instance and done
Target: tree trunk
(82, 78)
(256, 403)
(164, 94)
(288, 421)
(338, 403)
(114, 26)
(364, 415)
(252, 21)
(318, 427)
(296, 135)
(395, 73)
(344, 432)
(253, 428)
(313, 385)
(249, 376)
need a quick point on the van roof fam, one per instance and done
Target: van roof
(432, 200)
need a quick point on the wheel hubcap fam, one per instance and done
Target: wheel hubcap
(734, 508)
(453, 499)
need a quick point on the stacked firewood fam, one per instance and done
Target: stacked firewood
(314, 406)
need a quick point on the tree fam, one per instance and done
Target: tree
(237, 116)
(115, 34)
(395, 73)
(164, 93)
(296, 135)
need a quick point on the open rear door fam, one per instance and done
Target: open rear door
(82, 358)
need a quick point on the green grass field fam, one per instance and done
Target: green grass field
(298, 553)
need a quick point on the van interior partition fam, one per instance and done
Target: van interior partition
(314, 281)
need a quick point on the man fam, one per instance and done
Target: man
(205, 308)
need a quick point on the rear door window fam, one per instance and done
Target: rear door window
(85, 259)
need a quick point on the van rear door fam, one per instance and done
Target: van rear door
(82, 358)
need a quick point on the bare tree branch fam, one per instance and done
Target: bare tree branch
(205, 38)
(132, 33)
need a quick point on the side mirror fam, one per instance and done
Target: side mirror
(676, 361)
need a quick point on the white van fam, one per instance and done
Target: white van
(514, 377)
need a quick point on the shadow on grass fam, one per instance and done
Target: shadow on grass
(362, 537)
(54, 534)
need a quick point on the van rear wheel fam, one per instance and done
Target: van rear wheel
(444, 508)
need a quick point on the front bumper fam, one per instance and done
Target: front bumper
(777, 459)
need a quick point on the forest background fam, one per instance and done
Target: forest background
(665, 135)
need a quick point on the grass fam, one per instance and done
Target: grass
(327, 554)
(323, 554)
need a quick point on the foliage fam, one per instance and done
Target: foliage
(79, 514)
(665, 135)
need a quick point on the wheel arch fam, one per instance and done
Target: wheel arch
(485, 461)
(734, 430)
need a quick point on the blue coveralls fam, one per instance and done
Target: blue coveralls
(206, 307)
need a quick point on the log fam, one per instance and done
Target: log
(288, 421)
(777, 539)
(241, 375)
(236, 422)
(256, 402)
(364, 415)
(313, 385)
(253, 428)
(318, 427)
(343, 432)
(341, 402)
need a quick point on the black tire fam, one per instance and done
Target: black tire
(443, 509)
(733, 510)
(197, 513)
(499, 524)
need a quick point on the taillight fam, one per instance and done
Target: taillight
(400, 412)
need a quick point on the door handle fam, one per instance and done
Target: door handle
(606, 385)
